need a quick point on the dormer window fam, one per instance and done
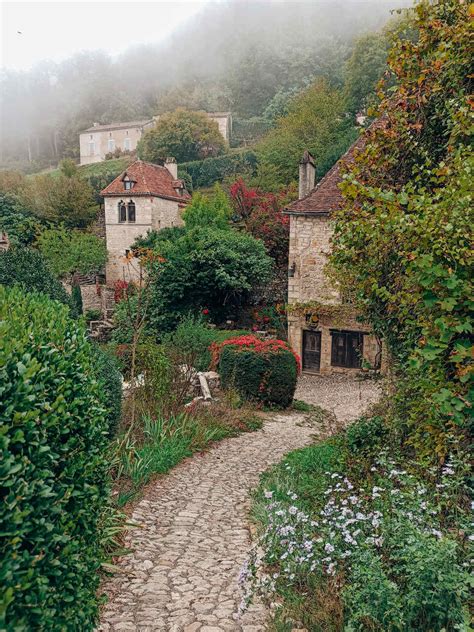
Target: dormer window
(128, 183)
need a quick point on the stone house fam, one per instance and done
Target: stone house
(99, 140)
(144, 197)
(322, 325)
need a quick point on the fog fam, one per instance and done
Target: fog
(230, 55)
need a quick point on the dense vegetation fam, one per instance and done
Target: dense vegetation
(28, 269)
(368, 531)
(53, 467)
(231, 57)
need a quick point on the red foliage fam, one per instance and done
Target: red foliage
(120, 290)
(264, 218)
(252, 342)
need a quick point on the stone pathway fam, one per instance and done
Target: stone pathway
(193, 538)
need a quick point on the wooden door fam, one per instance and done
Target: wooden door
(311, 350)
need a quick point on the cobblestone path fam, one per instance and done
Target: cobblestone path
(193, 538)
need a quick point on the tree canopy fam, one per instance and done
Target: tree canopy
(72, 251)
(183, 134)
(205, 268)
(315, 121)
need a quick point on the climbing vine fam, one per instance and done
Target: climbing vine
(403, 240)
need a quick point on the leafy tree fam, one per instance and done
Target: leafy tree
(61, 199)
(29, 269)
(364, 69)
(183, 134)
(204, 211)
(206, 268)
(72, 251)
(21, 226)
(316, 121)
(402, 242)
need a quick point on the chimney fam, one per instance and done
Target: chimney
(307, 175)
(172, 166)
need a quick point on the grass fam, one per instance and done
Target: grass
(94, 169)
(166, 442)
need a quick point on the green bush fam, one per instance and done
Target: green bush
(28, 268)
(106, 367)
(196, 337)
(265, 375)
(204, 173)
(52, 466)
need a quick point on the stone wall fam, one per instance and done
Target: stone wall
(310, 246)
(151, 213)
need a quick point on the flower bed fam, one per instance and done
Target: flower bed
(361, 540)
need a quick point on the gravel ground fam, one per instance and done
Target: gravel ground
(345, 396)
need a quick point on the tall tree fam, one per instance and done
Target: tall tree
(183, 134)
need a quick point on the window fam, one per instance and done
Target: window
(122, 211)
(91, 148)
(346, 349)
(128, 183)
(131, 211)
(111, 144)
(126, 144)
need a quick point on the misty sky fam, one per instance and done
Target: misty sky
(56, 30)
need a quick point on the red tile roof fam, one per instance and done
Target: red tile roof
(326, 195)
(149, 179)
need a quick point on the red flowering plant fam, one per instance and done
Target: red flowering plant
(120, 290)
(260, 370)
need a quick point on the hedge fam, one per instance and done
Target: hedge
(264, 371)
(29, 269)
(204, 173)
(53, 467)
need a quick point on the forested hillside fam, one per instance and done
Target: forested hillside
(247, 58)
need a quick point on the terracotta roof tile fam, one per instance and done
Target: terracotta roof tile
(149, 179)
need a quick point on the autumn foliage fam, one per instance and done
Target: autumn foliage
(263, 216)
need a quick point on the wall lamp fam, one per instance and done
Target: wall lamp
(292, 270)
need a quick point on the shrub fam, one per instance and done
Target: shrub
(53, 467)
(204, 173)
(106, 368)
(261, 371)
(28, 268)
(76, 298)
(21, 226)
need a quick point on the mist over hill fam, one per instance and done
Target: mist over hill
(231, 56)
